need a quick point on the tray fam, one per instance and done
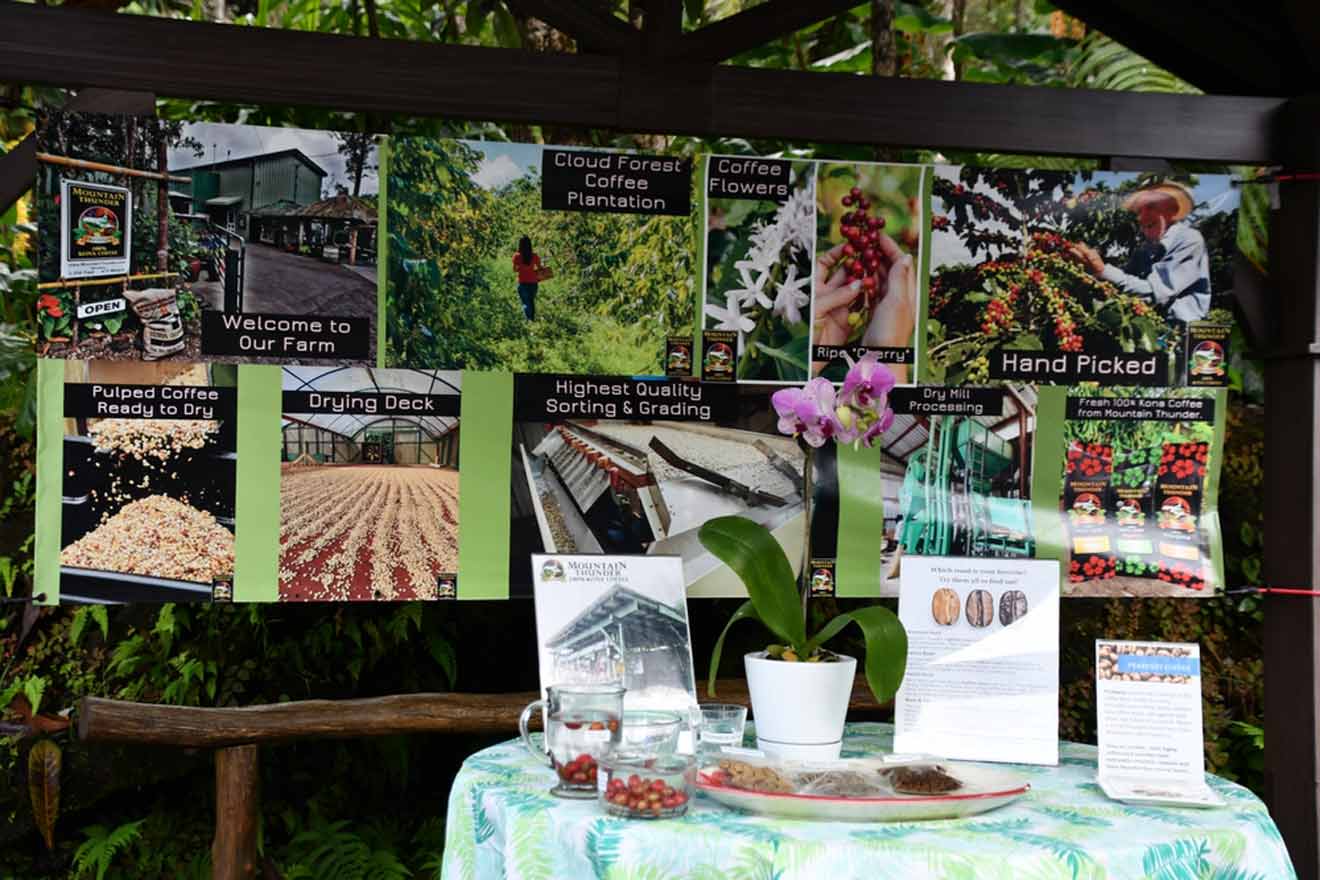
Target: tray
(984, 789)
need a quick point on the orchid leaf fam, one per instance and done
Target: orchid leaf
(756, 557)
(745, 610)
(886, 647)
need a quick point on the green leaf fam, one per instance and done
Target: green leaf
(745, 610)
(44, 763)
(914, 18)
(886, 647)
(756, 557)
(1008, 47)
(33, 688)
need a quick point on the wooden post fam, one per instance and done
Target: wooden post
(237, 811)
(1292, 493)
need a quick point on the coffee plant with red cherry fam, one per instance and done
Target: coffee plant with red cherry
(1029, 291)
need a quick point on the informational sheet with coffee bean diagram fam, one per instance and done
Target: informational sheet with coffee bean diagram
(982, 679)
(1148, 720)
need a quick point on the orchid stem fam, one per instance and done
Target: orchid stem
(804, 575)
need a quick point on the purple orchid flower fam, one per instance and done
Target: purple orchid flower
(867, 385)
(877, 427)
(809, 411)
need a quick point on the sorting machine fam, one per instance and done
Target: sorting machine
(647, 488)
(961, 494)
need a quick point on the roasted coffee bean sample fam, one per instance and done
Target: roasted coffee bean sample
(1012, 605)
(980, 608)
(923, 780)
(944, 606)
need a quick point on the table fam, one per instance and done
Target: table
(503, 823)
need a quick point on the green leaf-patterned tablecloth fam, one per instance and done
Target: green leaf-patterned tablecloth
(503, 823)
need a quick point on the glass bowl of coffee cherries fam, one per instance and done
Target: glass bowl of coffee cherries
(639, 785)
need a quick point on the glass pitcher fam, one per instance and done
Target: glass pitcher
(582, 726)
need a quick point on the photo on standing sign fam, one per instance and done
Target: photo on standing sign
(368, 484)
(957, 469)
(1139, 492)
(622, 465)
(148, 465)
(269, 241)
(527, 258)
(1062, 277)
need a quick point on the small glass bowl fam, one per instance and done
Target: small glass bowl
(649, 731)
(647, 786)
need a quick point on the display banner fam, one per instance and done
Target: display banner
(598, 335)
(627, 465)
(272, 259)
(96, 226)
(530, 259)
(1136, 493)
(1060, 277)
(811, 263)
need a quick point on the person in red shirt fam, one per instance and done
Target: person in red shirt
(528, 266)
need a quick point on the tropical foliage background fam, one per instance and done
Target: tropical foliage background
(375, 807)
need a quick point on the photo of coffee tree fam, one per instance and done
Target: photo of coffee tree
(758, 278)
(609, 288)
(1065, 261)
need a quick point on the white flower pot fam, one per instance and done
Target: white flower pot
(799, 708)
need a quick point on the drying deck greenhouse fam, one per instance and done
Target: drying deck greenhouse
(368, 497)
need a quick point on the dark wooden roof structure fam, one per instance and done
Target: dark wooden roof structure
(1258, 63)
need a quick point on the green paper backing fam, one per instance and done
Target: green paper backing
(861, 535)
(257, 485)
(485, 469)
(50, 479)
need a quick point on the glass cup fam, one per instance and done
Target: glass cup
(650, 732)
(722, 725)
(582, 726)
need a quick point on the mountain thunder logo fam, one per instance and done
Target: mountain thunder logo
(552, 570)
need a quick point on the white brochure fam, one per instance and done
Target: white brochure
(1148, 723)
(982, 679)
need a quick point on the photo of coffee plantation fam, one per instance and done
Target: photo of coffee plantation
(1063, 261)
(480, 277)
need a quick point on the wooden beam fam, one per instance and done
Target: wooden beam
(593, 29)
(1292, 502)
(757, 26)
(115, 721)
(190, 59)
(237, 813)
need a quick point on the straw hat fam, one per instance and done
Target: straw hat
(1180, 194)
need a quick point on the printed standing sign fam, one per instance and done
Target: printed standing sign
(96, 229)
(982, 680)
(603, 619)
(1148, 723)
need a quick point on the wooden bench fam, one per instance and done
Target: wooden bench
(236, 735)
